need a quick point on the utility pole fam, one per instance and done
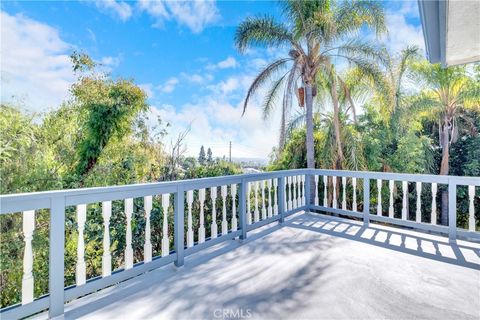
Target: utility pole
(230, 153)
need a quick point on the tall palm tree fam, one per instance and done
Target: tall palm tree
(317, 34)
(447, 94)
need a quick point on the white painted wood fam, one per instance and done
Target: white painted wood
(290, 194)
(189, 219)
(418, 213)
(106, 257)
(147, 247)
(344, 194)
(249, 209)
(303, 189)
(334, 182)
(128, 237)
(379, 197)
(316, 191)
(433, 213)
(27, 278)
(294, 187)
(233, 191)
(471, 209)
(224, 210)
(165, 238)
(81, 269)
(270, 209)
(390, 203)
(404, 200)
(213, 196)
(201, 228)
(264, 209)
(354, 201)
(325, 191)
(256, 213)
(275, 196)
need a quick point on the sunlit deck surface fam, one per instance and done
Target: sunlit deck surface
(312, 267)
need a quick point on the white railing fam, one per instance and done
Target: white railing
(217, 209)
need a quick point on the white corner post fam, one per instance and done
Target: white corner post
(242, 208)
(452, 211)
(366, 201)
(179, 228)
(57, 260)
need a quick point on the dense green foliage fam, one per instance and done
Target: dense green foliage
(97, 138)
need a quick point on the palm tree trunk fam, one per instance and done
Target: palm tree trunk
(336, 124)
(309, 137)
(444, 169)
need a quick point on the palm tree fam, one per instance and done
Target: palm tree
(316, 34)
(447, 94)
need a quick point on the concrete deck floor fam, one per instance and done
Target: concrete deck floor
(312, 267)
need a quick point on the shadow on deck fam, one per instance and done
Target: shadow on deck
(311, 267)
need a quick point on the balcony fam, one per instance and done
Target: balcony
(260, 246)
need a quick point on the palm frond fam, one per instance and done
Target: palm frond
(261, 31)
(272, 95)
(263, 77)
(351, 16)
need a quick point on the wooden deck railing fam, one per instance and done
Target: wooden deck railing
(219, 209)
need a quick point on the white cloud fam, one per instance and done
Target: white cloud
(35, 65)
(196, 15)
(120, 9)
(196, 78)
(230, 62)
(169, 85)
(214, 123)
(148, 88)
(110, 61)
(401, 33)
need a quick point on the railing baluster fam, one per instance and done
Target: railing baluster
(316, 190)
(224, 210)
(128, 237)
(256, 216)
(275, 196)
(390, 205)
(344, 196)
(294, 187)
(433, 214)
(471, 209)
(233, 191)
(290, 193)
(264, 209)
(249, 209)
(27, 279)
(80, 270)
(302, 177)
(404, 200)
(106, 257)
(334, 182)
(452, 211)
(165, 238)
(242, 212)
(213, 196)
(270, 210)
(147, 247)
(418, 213)
(379, 197)
(325, 191)
(189, 219)
(354, 202)
(201, 228)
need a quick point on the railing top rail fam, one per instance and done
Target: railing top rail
(428, 178)
(39, 200)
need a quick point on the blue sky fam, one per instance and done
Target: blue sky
(180, 53)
